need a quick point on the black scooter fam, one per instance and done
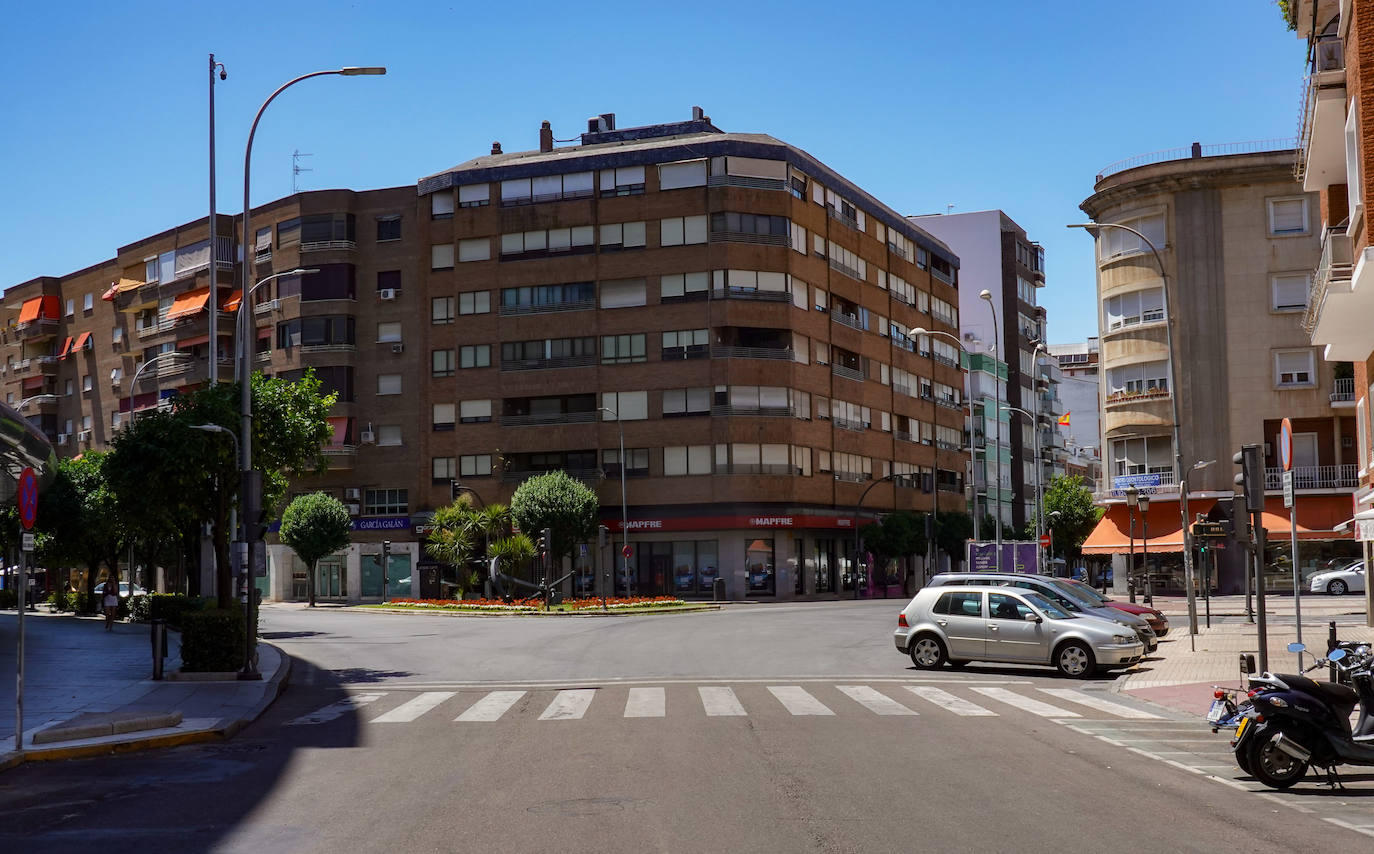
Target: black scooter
(1295, 723)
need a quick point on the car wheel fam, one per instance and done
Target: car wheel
(1272, 766)
(1075, 660)
(927, 653)
(1336, 588)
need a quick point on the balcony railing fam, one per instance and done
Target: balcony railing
(339, 450)
(749, 237)
(517, 475)
(902, 436)
(1122, 397)
(846, 424)
(547, 364)
(849, 271)
(758, 468)
(842, 217)
(852, 477)
(850, 320)
(1335, 266)
(327, 245)
(545, 308)
(948, 402)
(746, 181)
(751, 294)
(551, 418)
(1217, 150)
(724, 352)
(948, 446)
(945, 360)
(1343, 390)
(1314, 477)
(848, 373)
(754, 411)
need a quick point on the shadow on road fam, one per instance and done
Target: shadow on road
(289, 635)
(1012, 670)
(361, 675)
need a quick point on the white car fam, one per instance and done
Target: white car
(1338, 582)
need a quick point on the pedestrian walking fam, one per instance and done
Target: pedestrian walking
(111, 602)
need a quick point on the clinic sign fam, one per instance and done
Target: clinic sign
(1016, 557)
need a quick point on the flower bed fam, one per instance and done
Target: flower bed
(493, 605)
(525, 606)
(623, 602)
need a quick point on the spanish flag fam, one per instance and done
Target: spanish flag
(1064, 420)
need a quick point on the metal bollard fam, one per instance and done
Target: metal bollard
(1331, 643)
(159, 639)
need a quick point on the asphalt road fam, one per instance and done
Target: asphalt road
(759, 728)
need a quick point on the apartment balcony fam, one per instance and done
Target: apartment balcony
(329, 246)
(547, 364)
(1332, 286)
(548, 307)
(339, 457)
(519, 475)
(746, 182)
(755, 411)
(1122, 398)
(849, 271)
(39, 404)
(902, 436)
(848, 373)
(948, 403)
(777, 469)
(750, 294)
(842, 217)
(1321, 143)
(846, 424)
(37, 330)
(778, 353)
(852, 477)
(161, 327)
(850, 320)
(1343, 393)
(1314, 477)
(749, 237)
(948, 446)
(550, 418)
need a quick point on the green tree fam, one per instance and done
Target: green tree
(81, 520)
(510, 552)
(558, 502)
(315, 525)
(900, 534)
(1073, 501)
(952, 533)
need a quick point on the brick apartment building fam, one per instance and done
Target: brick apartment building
(738, 308)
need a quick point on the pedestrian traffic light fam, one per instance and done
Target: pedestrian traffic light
(1251, 477)
(603, 536)
(453, 490)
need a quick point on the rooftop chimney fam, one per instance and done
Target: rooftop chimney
(546, 137)
(698, 114)
(496, 148)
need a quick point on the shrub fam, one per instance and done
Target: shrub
(139, 608)
(211, 640)
(8, 598)
(172, 607)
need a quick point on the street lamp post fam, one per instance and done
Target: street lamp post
(986, 295)
(248, 668)
(1093, 228)
(624, 513)
(133, 383)
(1188, 550)
(1039, 569)
(243, 357)
(963, 367)
(1132, 501)
(858, 541)
(214, 267)
(1145, 547)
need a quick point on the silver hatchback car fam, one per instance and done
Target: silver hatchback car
(958, 624)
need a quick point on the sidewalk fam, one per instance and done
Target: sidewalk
(88, 691)
(1182, 678)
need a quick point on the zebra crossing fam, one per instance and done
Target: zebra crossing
(723, 701)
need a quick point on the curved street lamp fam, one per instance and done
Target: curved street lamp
(624, 513)
(963, 367)
(1094, 228)
(986, 295)
(1035, 421)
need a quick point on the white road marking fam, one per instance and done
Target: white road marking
(1035, 707)
(645, 703)
(874, 701)
(949, 702)
(797, 701)
(491, 707)
(720, 702)
(412, 709)
(569, 705)
(1075, 696)
(336, 710)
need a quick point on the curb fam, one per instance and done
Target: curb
(708, 606)
(277, 684)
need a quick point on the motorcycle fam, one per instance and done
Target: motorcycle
(1294, 723)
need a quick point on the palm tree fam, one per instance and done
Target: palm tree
(452, 540)
(511, 551)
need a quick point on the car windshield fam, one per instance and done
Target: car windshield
(1075, 597)
(1086, 592)
(1048, 608)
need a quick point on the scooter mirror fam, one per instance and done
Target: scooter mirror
(1297, 647)
(1335, 655)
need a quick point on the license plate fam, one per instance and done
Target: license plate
(1240, 727)
(1217, 712)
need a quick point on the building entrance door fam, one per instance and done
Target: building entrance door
(330, 580)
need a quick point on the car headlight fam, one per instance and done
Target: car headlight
(1122, 638)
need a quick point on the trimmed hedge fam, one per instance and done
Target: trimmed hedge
(173, 607)
(211, 640)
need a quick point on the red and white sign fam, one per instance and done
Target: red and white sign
(1044, 541)
(627, 551)
(1286, 445)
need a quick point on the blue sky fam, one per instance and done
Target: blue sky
(1000, 104)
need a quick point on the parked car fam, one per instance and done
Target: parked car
(1339, 582)
(123, 590)
(1057, 590)
(1158, 622)
(956, 624)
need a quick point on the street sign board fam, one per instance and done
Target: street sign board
(628, 551)
(1288, 487)
(1286, 446)
(28, 498)
(27, 542)
(1044, 541)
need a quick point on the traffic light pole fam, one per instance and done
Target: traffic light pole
(1257, 523)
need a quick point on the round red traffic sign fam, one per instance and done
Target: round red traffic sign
(1286, 444)
(627, 551)
(28, 498)
(1044, 541)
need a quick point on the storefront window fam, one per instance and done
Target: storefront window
(758, 561)
(684, 568)
(708, 568)
(798, 572)
(825, 566)
(584, 579)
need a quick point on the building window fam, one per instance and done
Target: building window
(441, 256)
(638, 462)
(385, 502)
(686, 459)
(476, 302)
(87, 302)
(622, 349)
(389, 280)
(388, 228)
(475, 465)
(388, 384)
(624, 181)
(1294, 368)
(1287, 216)
(388, 332)
(1115, 242)
(441, 363)
(521, 245)
(443, 469)
(442, 417)
(625, 293)
(1134, 308)
(441, 310)
(474, 195)
(678, 402)
(70, 387)
(475, 356)
(1145, 455)
(71, 308)
(1289, 291)
(627, 405)
(689, 173)
(754, 224)
(685, 344)
(622, 235)
(474, 249)
(86, 383)
(474, 411)
(682, 230)
(389, 435)
(684, 286)
(441, 205)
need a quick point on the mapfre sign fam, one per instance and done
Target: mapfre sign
(710, 523)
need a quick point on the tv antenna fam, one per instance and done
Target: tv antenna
(297, 168)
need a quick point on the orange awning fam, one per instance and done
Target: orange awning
(81, 341)
(1318, 515)
(66, 348)
(189, 303)
(231, 302)
(120, 287)
(47, 307)
(1113, 533)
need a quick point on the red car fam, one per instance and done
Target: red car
(1157, 621)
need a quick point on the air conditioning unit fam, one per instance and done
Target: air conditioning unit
(386, 293)
(353, 493)
(353, 509)
(63, 438)
(84, 436)
(398, 348)
(367, 437)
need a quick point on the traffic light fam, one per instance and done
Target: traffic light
(1251, 477)
(603, 536)
(454, 489)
